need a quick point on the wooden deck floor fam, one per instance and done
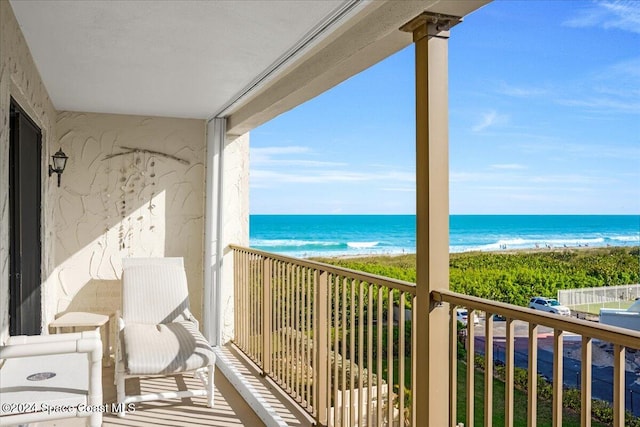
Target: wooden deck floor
(230, 409)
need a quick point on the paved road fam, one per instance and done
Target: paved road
(602, 383)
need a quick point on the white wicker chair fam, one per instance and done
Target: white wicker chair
(49, 377)
(158, 335)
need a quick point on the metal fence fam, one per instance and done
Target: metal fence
(605, 297)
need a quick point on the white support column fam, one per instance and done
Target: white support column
(430, 34)
(212, 328)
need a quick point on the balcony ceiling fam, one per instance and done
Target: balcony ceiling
(195, 58)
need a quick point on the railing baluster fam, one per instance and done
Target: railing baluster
(343, 351)
(260, 311)
(401, 353)
(321, 346)
(241, 296)
(237, 287)
(488, 370)
(390, 356)
(471, 345)
(453, 363)
(585, 386)
(618, 385)
(255, 287)
(360, 352)
(336, 331)
(279, 325)
(352, 345)
(532, 406)
(290, 351)
(297, 332)
(509, 373)
(315, 340)
(414, 359)
(370, 310)
(254, 307)
(252, 304)
(558, 341)
(379, 360)
(247, 303)
(236, 292)
(310, 307)
(283, 327)
(266, 316)
(303, 337)
(283, 330)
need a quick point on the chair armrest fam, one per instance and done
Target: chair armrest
(190, 317)
(40, 345)
(119, 320)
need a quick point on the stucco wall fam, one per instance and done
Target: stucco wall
(235, 219)
(19, 78)
(86, 229)
(135, 205)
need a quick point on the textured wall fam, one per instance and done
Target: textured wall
(19, 78)
(235, 219)
(86, 229)
(138, 204)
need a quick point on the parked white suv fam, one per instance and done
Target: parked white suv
(550, 305)
(462, 315)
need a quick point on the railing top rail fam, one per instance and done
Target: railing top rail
(613, 334)
(340, 271)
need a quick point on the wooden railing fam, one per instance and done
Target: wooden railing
(328, 336)
(587, 331)
(332, 340)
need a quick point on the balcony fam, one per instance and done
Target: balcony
(318, 344)
(331, 340)
(346, 348)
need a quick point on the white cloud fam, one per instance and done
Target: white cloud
(510, 166)
(272, 156)
(603, 104)
(457, 177)
(612, 89)
(571, 179)
(622, 15)
(269, 151)
(399, 189)
(596, 150)
(488, 120)
(522, 92)
(261, 178)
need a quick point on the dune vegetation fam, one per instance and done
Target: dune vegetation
(514, 276)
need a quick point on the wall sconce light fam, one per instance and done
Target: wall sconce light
(59, 163)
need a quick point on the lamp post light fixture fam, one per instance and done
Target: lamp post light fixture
(59, 163)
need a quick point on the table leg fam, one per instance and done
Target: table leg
(107, 332)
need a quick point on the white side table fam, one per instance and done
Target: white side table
(78, 319)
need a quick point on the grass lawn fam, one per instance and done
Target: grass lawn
(595, 308)
(569, 418)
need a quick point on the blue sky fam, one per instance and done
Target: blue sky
(544, 118)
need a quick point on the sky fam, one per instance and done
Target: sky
(544, 118)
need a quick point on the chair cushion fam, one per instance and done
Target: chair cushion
(154, 293)
(165, 348)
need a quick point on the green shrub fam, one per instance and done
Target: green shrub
(515, 277)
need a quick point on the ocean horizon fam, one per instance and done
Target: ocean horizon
(306, 236)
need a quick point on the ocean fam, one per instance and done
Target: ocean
(339, 235)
